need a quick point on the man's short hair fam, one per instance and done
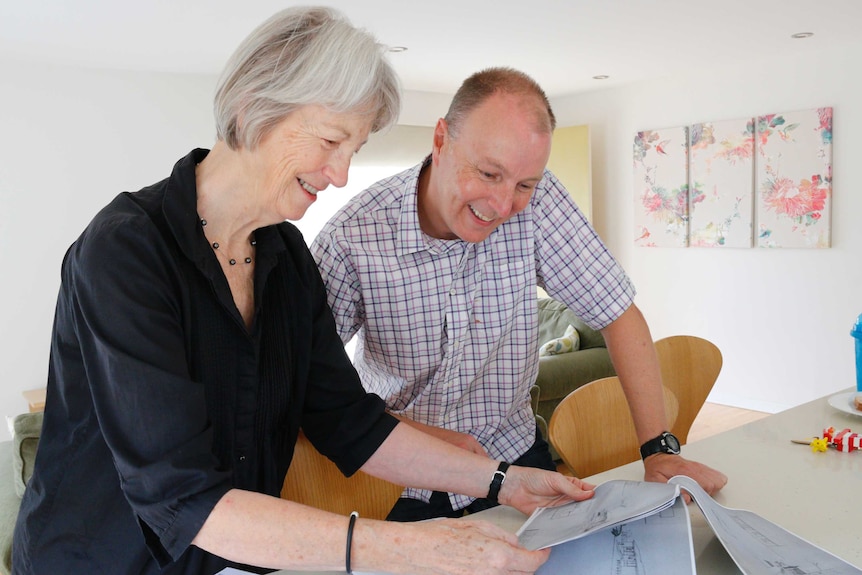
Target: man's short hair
(485, 83)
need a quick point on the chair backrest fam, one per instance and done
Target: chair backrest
(689, 368)
(592, 428)
(316, 481)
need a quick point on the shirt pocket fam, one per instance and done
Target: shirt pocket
(501, 296)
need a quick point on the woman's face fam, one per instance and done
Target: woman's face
(309, 150)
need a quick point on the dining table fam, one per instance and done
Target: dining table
(773, 472)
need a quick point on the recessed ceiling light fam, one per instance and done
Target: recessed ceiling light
(800, 35)
(398, 48)
(601, 77)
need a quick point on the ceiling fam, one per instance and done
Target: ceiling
(561, 43)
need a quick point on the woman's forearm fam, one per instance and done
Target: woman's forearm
(260, 530)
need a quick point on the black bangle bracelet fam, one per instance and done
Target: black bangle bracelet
(350, 525)
(497, 482)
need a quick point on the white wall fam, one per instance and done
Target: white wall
(781, 317)
(73, 139)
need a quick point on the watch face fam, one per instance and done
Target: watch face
(671, 442)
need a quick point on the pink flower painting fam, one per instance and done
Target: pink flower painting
(660, 161)
(764, 181)
(721, 205)
(794, 179)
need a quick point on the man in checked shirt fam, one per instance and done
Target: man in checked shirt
(435, 269)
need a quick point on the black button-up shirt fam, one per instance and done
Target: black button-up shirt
(160, 399)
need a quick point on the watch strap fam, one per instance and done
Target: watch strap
(497, 482)
(659, 445)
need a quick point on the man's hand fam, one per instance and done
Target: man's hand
(662, 466)
(462, 440)
(456, 438)
(527, 488)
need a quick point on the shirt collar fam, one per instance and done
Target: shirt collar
(181, 213)
(410, 238)
(180, 208)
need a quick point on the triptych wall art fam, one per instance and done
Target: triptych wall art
(764, 181)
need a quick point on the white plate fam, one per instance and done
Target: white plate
(844, 402)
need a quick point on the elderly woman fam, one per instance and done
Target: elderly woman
(192, 340)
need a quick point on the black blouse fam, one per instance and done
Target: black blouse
(160, 399)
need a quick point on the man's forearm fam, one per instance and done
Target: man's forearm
(633, 354)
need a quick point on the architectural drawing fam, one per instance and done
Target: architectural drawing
(613, 503)
(761, 546)
(656, 545)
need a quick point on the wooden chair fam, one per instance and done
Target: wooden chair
(689, 368)
(316, 481)
(592, 428)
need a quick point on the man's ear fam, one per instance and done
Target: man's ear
(441, 138)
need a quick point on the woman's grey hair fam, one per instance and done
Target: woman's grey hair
(301, 56)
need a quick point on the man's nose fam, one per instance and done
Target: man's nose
(501, 202)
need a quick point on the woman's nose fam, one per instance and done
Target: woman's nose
(336, 170)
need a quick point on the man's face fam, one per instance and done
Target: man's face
(488, 171)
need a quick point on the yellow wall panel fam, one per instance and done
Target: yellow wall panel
(570, 162)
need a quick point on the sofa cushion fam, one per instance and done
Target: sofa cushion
(568, 342)
(555, 317)
(25, 439)
(16, 468)
(9, 504)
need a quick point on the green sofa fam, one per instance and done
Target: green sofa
(16, 467)
(561, 374)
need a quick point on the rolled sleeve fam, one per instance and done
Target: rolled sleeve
(574, 265)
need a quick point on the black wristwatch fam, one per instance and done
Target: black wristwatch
(664, 443)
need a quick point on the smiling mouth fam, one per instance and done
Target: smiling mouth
(307, 187)
(480, 215)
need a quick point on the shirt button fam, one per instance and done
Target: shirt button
(242, 457)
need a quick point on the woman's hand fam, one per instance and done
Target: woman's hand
(526, 488)
(451, 547)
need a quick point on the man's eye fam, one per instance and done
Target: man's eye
(330, 143)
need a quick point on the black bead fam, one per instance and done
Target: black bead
(215, 245)
(203, 222)
(248, 260)
(232, 262)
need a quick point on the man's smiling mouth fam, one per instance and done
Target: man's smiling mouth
(479, 214)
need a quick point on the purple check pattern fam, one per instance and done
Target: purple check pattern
(447, 330)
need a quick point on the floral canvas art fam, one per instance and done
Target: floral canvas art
(794, 179)
(661, 187)
(721, 184)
